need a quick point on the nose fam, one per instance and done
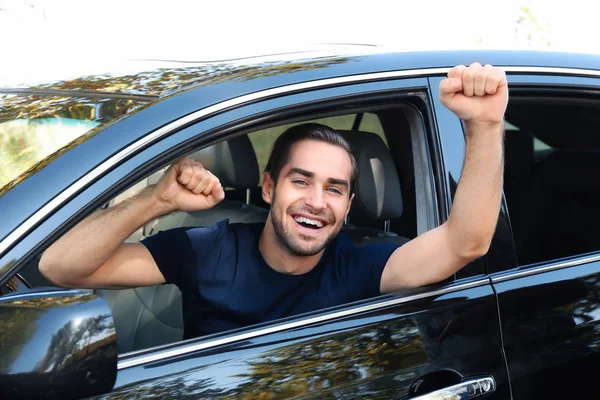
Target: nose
(315, 199)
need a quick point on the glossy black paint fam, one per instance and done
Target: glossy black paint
(376, 354)
(551, 330)
(56, 344)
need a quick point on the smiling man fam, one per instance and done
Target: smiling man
(232, 275)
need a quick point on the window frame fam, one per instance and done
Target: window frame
(184, 140)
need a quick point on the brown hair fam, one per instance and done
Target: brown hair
(280, 153)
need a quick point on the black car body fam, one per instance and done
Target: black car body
(521, 322)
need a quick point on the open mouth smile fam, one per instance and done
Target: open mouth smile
(308, 222)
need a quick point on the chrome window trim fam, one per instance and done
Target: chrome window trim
(63, 197)
(552, 70)
(510, 275)
(193, 347)
(76, 93)
(25, 296)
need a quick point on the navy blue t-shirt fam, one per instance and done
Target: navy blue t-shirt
(226, 283)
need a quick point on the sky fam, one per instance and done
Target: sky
(55, 38)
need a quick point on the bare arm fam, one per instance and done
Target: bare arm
(478, 95)
(93, 254)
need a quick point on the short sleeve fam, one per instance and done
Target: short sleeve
(175, 254)
(366, 265)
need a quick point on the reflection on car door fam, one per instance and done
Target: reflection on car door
(390, 348)
(550, 322)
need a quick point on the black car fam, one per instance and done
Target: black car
(522, 322)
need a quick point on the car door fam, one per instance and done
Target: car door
(549, 303)
(394, 346)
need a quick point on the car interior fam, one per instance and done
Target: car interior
(552, 159)
(384, 209)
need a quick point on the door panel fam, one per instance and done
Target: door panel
(376, 353)
(551, 329)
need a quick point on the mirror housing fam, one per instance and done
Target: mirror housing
(56, 343)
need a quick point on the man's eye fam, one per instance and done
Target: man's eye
(335, 190)
(299, 182)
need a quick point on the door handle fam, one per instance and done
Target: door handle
(470, 389)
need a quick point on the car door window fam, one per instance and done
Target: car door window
(552, 160)
(147, 306)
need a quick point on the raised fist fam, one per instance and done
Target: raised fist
(476, 94)
(187, 186)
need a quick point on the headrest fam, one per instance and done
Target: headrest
(573, 171)
(232, 161)
(518, 147)
(378, 193)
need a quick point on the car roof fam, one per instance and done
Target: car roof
(175, 92)
(159, 78)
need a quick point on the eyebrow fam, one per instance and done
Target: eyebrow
(341, 182)
(300, 171)
(308, 174)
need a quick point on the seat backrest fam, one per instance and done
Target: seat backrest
(234, 163)
(572, 195)
(378, 194)
(151, 316)
(145, 316)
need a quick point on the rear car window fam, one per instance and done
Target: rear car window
(552, 159)
(34, 129)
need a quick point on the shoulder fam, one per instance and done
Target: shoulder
(188, 236)
(212, 232)
(224, 232)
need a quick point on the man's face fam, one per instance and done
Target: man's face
(311, 197)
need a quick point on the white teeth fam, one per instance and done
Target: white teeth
(305, 220)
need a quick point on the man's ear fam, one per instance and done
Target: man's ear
(268, 188)
(349, 204)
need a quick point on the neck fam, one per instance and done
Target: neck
(279, 258)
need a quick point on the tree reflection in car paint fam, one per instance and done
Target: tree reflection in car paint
(365, 360)
(164, 80)
(34, 130)
(69, 340)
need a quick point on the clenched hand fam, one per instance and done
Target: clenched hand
(187, 186)
(476, 94)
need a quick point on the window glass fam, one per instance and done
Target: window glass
(33, 128)
(370, 123)
(552, 160)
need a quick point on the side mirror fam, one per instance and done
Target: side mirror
(56, 343)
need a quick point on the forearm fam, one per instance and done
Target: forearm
(476, 204)
(86, 247)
